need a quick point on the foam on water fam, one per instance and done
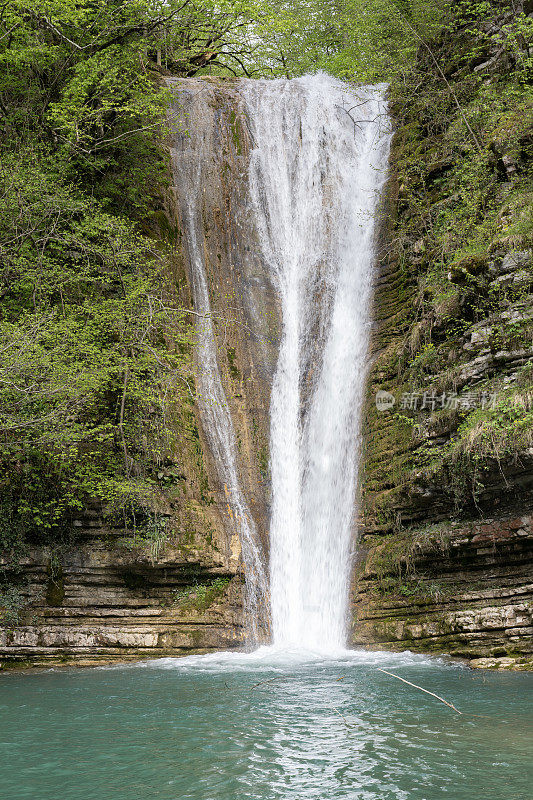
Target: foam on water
(266, 659)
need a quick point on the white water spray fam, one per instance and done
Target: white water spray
(318, 164)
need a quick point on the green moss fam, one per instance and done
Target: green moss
(233, 371)
(264, 462)
(55, 587)
(459, 211)
(200, 596)
(14, 664)
(495, 435)
(393, 561)
(194, 446)
(196, 636)
(170, 232)
(235, 132)
(12, 605)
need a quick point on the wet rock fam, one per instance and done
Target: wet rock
(493, 663)
(478, 338)
(522, 279)
(509, 164)
(475, 369)
(502, 281)
(473, 599)
(516, 259)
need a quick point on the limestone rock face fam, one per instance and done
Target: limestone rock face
(115, 603)
(432, 576)
(445, 556)
(467, 591)
(244, 305)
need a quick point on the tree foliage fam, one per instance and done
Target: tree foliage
(93, 353)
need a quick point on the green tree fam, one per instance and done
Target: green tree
(93, 353)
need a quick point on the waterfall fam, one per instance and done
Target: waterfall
(300, 186)
(191, 157)
(315, 174)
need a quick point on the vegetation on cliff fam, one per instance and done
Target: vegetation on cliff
(94, 373)
(94, 349)
(96, 391)
(458, 333)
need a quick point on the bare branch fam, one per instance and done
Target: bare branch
(442, 700)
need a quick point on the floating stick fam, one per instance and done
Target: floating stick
(421, 689)
(342, 717)
(269, 680)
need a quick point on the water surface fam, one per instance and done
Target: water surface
(262, 727)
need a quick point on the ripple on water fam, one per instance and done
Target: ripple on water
(264, 726)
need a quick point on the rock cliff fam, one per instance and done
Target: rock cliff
(446, 548)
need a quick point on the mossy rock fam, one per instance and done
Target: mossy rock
(55, 586)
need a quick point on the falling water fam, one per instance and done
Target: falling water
(193, 153)
(318, 164)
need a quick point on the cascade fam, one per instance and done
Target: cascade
(193, 152)
(318, 164)
(317, 161)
